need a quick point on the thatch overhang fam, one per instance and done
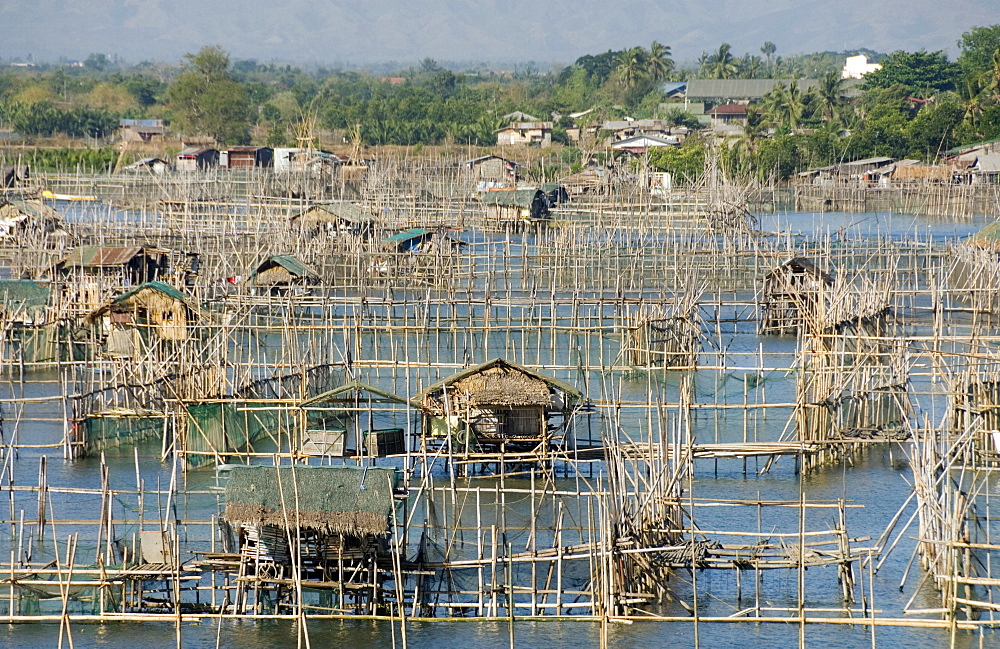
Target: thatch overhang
(496, 383)
(333, 499)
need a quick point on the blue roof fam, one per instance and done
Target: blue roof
(406, 235)
(670, 87)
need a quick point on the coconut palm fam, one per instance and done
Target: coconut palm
(783, 105)
(991, 79)
(830, 94)
(768, 49)
(722, 64)
(750, 66)
(658, 61)
(631, 68)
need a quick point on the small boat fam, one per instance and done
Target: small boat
(66, 197)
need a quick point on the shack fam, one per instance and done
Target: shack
(197, 159)
(328, 526)
(278, 274)
(19, 219)
(246, 157)
(333, 219)
(130, 265)
(515, 207)
(134, 320)
(791, 294)
(498, 407)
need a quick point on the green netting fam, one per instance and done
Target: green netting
(215, 430)
(108, 432)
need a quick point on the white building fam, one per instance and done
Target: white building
(858, 66)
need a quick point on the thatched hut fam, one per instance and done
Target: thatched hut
(128, 266)
(19, 218)
(277, 274)
(333, 219)
(336, 517)
(791, 294)
(515, 207)
(143, 314)
(498, 405)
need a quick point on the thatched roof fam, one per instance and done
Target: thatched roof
(496, 383)
(802, 265)
(332, 499)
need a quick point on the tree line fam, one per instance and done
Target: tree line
(918, 104)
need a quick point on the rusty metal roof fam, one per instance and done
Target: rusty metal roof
(92, 257)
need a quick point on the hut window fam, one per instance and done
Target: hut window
(522, 421)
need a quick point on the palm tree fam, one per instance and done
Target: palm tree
(722, 64)
(703, 63)
(658, 61)
(830, 93)
(768, 49)
(970, 93)
(750, 66)
(991, 79)
(783, 105)
(631, 67)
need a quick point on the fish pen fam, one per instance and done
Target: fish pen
(362, 395)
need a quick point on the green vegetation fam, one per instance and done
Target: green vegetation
(918, 105)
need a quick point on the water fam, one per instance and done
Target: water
(877, 480)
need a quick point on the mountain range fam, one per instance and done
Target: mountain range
(345, 32)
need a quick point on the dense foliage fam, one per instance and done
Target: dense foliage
(919, 104)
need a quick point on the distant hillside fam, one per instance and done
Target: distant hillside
(472, 30)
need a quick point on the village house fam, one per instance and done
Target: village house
(526, 133)
(641, 144)
(197, 159)
(246, 157)
(142, 130)
(858, 66)
(492, 171)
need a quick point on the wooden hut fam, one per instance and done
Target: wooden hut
(278, 274)
(246, 157)
(791, 294)
(21, 218)
(329, 526)
(515, 207)
(417, 254)
(498, 407)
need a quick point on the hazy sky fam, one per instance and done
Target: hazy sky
(361, 31)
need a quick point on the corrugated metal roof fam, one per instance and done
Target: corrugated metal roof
(91, 257)
(754, 88)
